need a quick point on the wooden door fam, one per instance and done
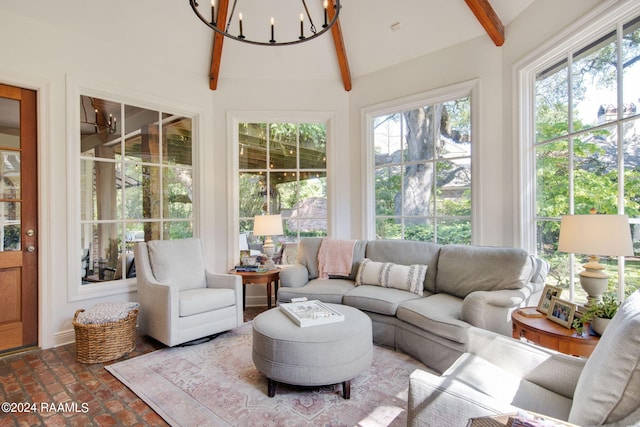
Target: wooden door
(18, 219)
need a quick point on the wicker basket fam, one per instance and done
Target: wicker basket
(96, 343)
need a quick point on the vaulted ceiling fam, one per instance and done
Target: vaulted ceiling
(376, 33)
(482, 10)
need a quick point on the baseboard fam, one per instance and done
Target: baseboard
(257, 301)
(64, 338)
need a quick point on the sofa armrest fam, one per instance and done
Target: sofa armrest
(547, 368)
(444, 401)
(492, 309)
(294, 276)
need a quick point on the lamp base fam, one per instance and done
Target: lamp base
(269, 249)
(594, 281)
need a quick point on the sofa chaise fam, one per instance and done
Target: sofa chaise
(463, 286)
(500, 375)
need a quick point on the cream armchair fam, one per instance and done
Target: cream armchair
(179, 300)
(498, 374)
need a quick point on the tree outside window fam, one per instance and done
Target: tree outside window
(423, 173)
(587, 147)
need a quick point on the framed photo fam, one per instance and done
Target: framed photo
(561, 312)
(548, 293)
(244, 254)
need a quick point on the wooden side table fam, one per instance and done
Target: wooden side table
(267, 277)
(549, 334)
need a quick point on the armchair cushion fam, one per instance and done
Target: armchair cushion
(608, 390)
(201, 300)
(166, 255)
(490, 379)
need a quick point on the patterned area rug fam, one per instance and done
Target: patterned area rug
(216, 384)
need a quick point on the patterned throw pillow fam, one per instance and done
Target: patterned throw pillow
(106, 312)
(389, 275)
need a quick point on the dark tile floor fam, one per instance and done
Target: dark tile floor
(50, 388)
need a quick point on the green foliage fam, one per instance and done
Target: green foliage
(604, 309)
(11, 237)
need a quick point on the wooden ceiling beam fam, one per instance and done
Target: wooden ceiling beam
(488, 19)
(218, 39)
(343, 62)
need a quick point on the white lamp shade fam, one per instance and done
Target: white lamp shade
(267, 225)
(594, 234)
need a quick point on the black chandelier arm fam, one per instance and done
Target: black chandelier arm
(241, 38)
(312, 26)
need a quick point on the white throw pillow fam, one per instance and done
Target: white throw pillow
(389, 275)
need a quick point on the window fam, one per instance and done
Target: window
(283, 170)
(135, 183)
(422, 170)
(585, 141)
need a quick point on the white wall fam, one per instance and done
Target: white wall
(476, 59)
(44, 49)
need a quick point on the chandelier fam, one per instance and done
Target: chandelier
(235, 30)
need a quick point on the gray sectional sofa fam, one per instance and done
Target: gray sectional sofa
(464, 286)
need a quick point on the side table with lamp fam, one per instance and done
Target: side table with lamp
(268, 225)
(595, 235)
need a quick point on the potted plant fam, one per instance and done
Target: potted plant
(598, 314)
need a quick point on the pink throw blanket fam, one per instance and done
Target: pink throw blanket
(335, 257)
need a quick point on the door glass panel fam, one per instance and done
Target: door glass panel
(10, 230)
(10, 205)
(10, 169)
(9, 123)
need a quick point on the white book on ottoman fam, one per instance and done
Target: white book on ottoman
(310, 313)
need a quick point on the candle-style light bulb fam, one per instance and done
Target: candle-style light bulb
(325, 5)
(273, 39)
(301, 26)
(213, 12)
(241, 36)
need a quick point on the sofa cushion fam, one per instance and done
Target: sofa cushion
(407, 252)
(325, 290)
(377, 299)
(196, 301)
(309, 247)
(608, 389)
(439, 314)
(389, 275)
(463, 269)
(178, 262)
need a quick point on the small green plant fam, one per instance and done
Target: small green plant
(605, 309)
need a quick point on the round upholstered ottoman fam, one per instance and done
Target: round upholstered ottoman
(316, 355)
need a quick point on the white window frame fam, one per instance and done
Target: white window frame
(597, 23)
(234, 118)
(435, 96)
(76, 291)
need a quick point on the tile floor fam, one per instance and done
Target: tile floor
(50, 388)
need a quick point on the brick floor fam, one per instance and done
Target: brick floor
(50, 388)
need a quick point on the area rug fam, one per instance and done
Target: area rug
(216, 384)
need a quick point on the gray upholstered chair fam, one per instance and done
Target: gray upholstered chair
(498, 374)
(179, 300)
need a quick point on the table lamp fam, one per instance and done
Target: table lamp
(595, 235)
(268, 225)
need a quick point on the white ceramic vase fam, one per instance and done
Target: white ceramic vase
(599, 324)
